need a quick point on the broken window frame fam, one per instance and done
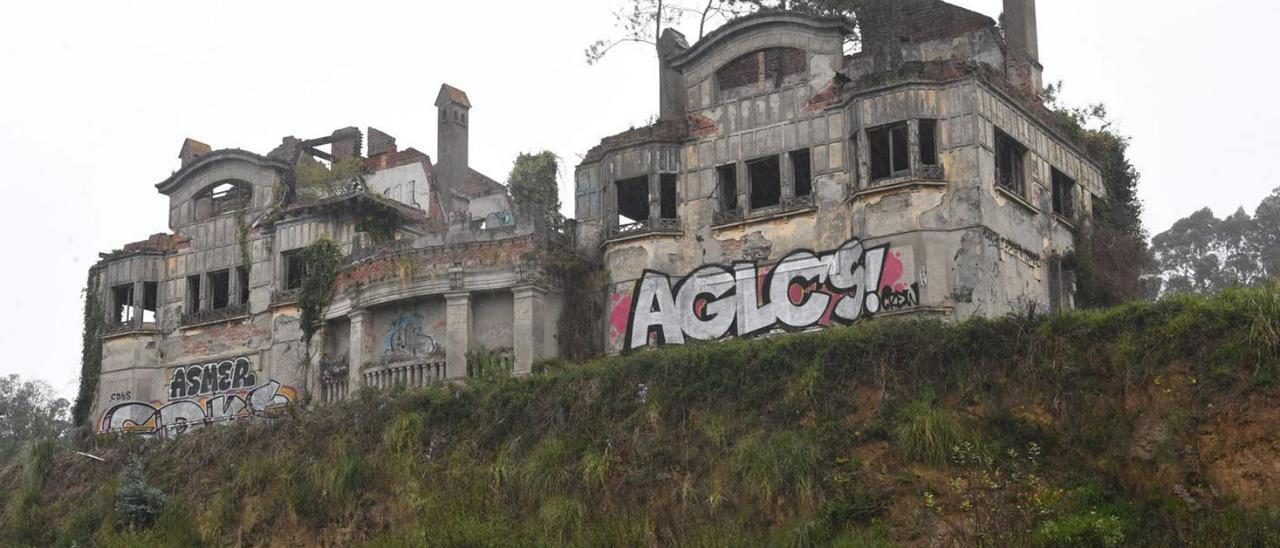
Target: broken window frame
(219, 289)
(764, 180)
(631, 195)
(889, 151)
(1011, 170)
(123, 310)
(668, 196)
(801, 172)
(222, 197)
(927, 130)
(294, 267)
(194, 297)
(1063, 194)
(727, 188)
(768, 66)
(242, 285)
(150, 302)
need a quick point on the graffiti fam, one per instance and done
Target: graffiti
(804, 289)
(168, 420)
(122, 396)
(500, 218)
(407, 339)
(210, 378)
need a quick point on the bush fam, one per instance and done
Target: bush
(138, 504)
(925, 432)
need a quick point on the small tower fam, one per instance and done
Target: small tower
(452, 168)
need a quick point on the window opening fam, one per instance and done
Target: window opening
(766, 182)
(242, 283)
(667, 195)
(727, 183)
(801, 176)
(889, 156)
(295, 268)
(1010, 172)
(1063, 194)
(122, 297)
(633, 200)
(150, 301)
(219, 289)
(929, 142)
(193, 294)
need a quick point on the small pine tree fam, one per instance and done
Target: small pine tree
(138, 504)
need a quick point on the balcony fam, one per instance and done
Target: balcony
(658, 226)
(786, 207)
(218, 315)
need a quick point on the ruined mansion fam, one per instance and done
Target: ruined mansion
(789, 183)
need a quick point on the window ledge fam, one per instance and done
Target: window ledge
(209, 317)
(759, 217)
(1066, 221)
(1011, 195)
(112, 332)
(644, 229)
(896, 187)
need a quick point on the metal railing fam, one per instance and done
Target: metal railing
(663, 226)
(726, 217)
(215, 315)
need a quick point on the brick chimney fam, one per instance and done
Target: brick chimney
(347, 143)
(1019, 22)
(192, 150)
(380, 143)
(452, 168)
(672, 96)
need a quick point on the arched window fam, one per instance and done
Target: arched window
(222, 197)
(761, 71)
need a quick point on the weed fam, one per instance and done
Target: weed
(138, 504)
(925, 432)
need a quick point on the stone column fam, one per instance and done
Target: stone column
(458, 326)
(655, 200)
(530, 327)
(139, 299)
(357, 354)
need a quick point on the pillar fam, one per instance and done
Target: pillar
(357, 354)
(458, 326)
(530, 327)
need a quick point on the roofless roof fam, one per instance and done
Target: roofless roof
(773, 19)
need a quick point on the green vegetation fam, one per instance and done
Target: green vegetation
(315, 180)
(323, 263)
(1063, 430)
(533, 184)
(90, 350)
(138, 504)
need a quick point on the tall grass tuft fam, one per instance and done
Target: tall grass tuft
(561, 516)
(37, 461)
(350, 476)
(925, 432)
(544, 470)
(777, 466)
(1264, 306)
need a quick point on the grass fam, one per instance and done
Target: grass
(814, 439)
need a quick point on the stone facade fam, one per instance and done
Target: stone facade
(799, 186)
(203, 325)
(787, 184)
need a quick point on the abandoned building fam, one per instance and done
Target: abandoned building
(791, 182)
(794, 179)
(203, 324)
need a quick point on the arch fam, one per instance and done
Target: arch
(221, 197)
(761, 71)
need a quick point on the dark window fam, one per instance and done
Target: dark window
(219, 289)
(1063, 194)
(766, 182)
(221, 198)
(193, 294)
(1010, 173)
(242, 281)
(122, 303)
(888, 150)
(633, 200)
(929, 142)
(150, 301)
(801, 175)
(667, 195)
(295, 267)
(727, 185)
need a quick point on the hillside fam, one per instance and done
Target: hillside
(1147, 424)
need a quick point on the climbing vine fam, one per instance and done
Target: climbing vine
(242, 232)
(323, 263)
(90, 351)
(583, 283)
(381, 226)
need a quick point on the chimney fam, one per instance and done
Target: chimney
(380, 143)
(192, 150)
(347, 143)
(1019, 22)
(452, 169)
(672, 97)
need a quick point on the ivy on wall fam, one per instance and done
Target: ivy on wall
(584, 284)
(90, 352)
(323, 263)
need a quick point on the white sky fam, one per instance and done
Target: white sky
(96, 98)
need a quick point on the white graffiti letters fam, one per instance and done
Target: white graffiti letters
(176, 417)
(804, 289)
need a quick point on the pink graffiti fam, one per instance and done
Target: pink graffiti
(619, 317)
(893, 271)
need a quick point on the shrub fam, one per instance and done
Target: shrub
(778, 465)
(138, 504)
(1085, 529)
(925, 432)
(561, 516)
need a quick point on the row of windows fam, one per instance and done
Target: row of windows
(1011, 175)
(220, 295)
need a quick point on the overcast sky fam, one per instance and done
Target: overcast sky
(96, 98)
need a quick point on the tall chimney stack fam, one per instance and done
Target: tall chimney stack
(672, 96)
(452, 169)
(1019, 22)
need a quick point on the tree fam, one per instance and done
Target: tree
(1204, 254)
(642, 21)
(29, 411)
(533, 183)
